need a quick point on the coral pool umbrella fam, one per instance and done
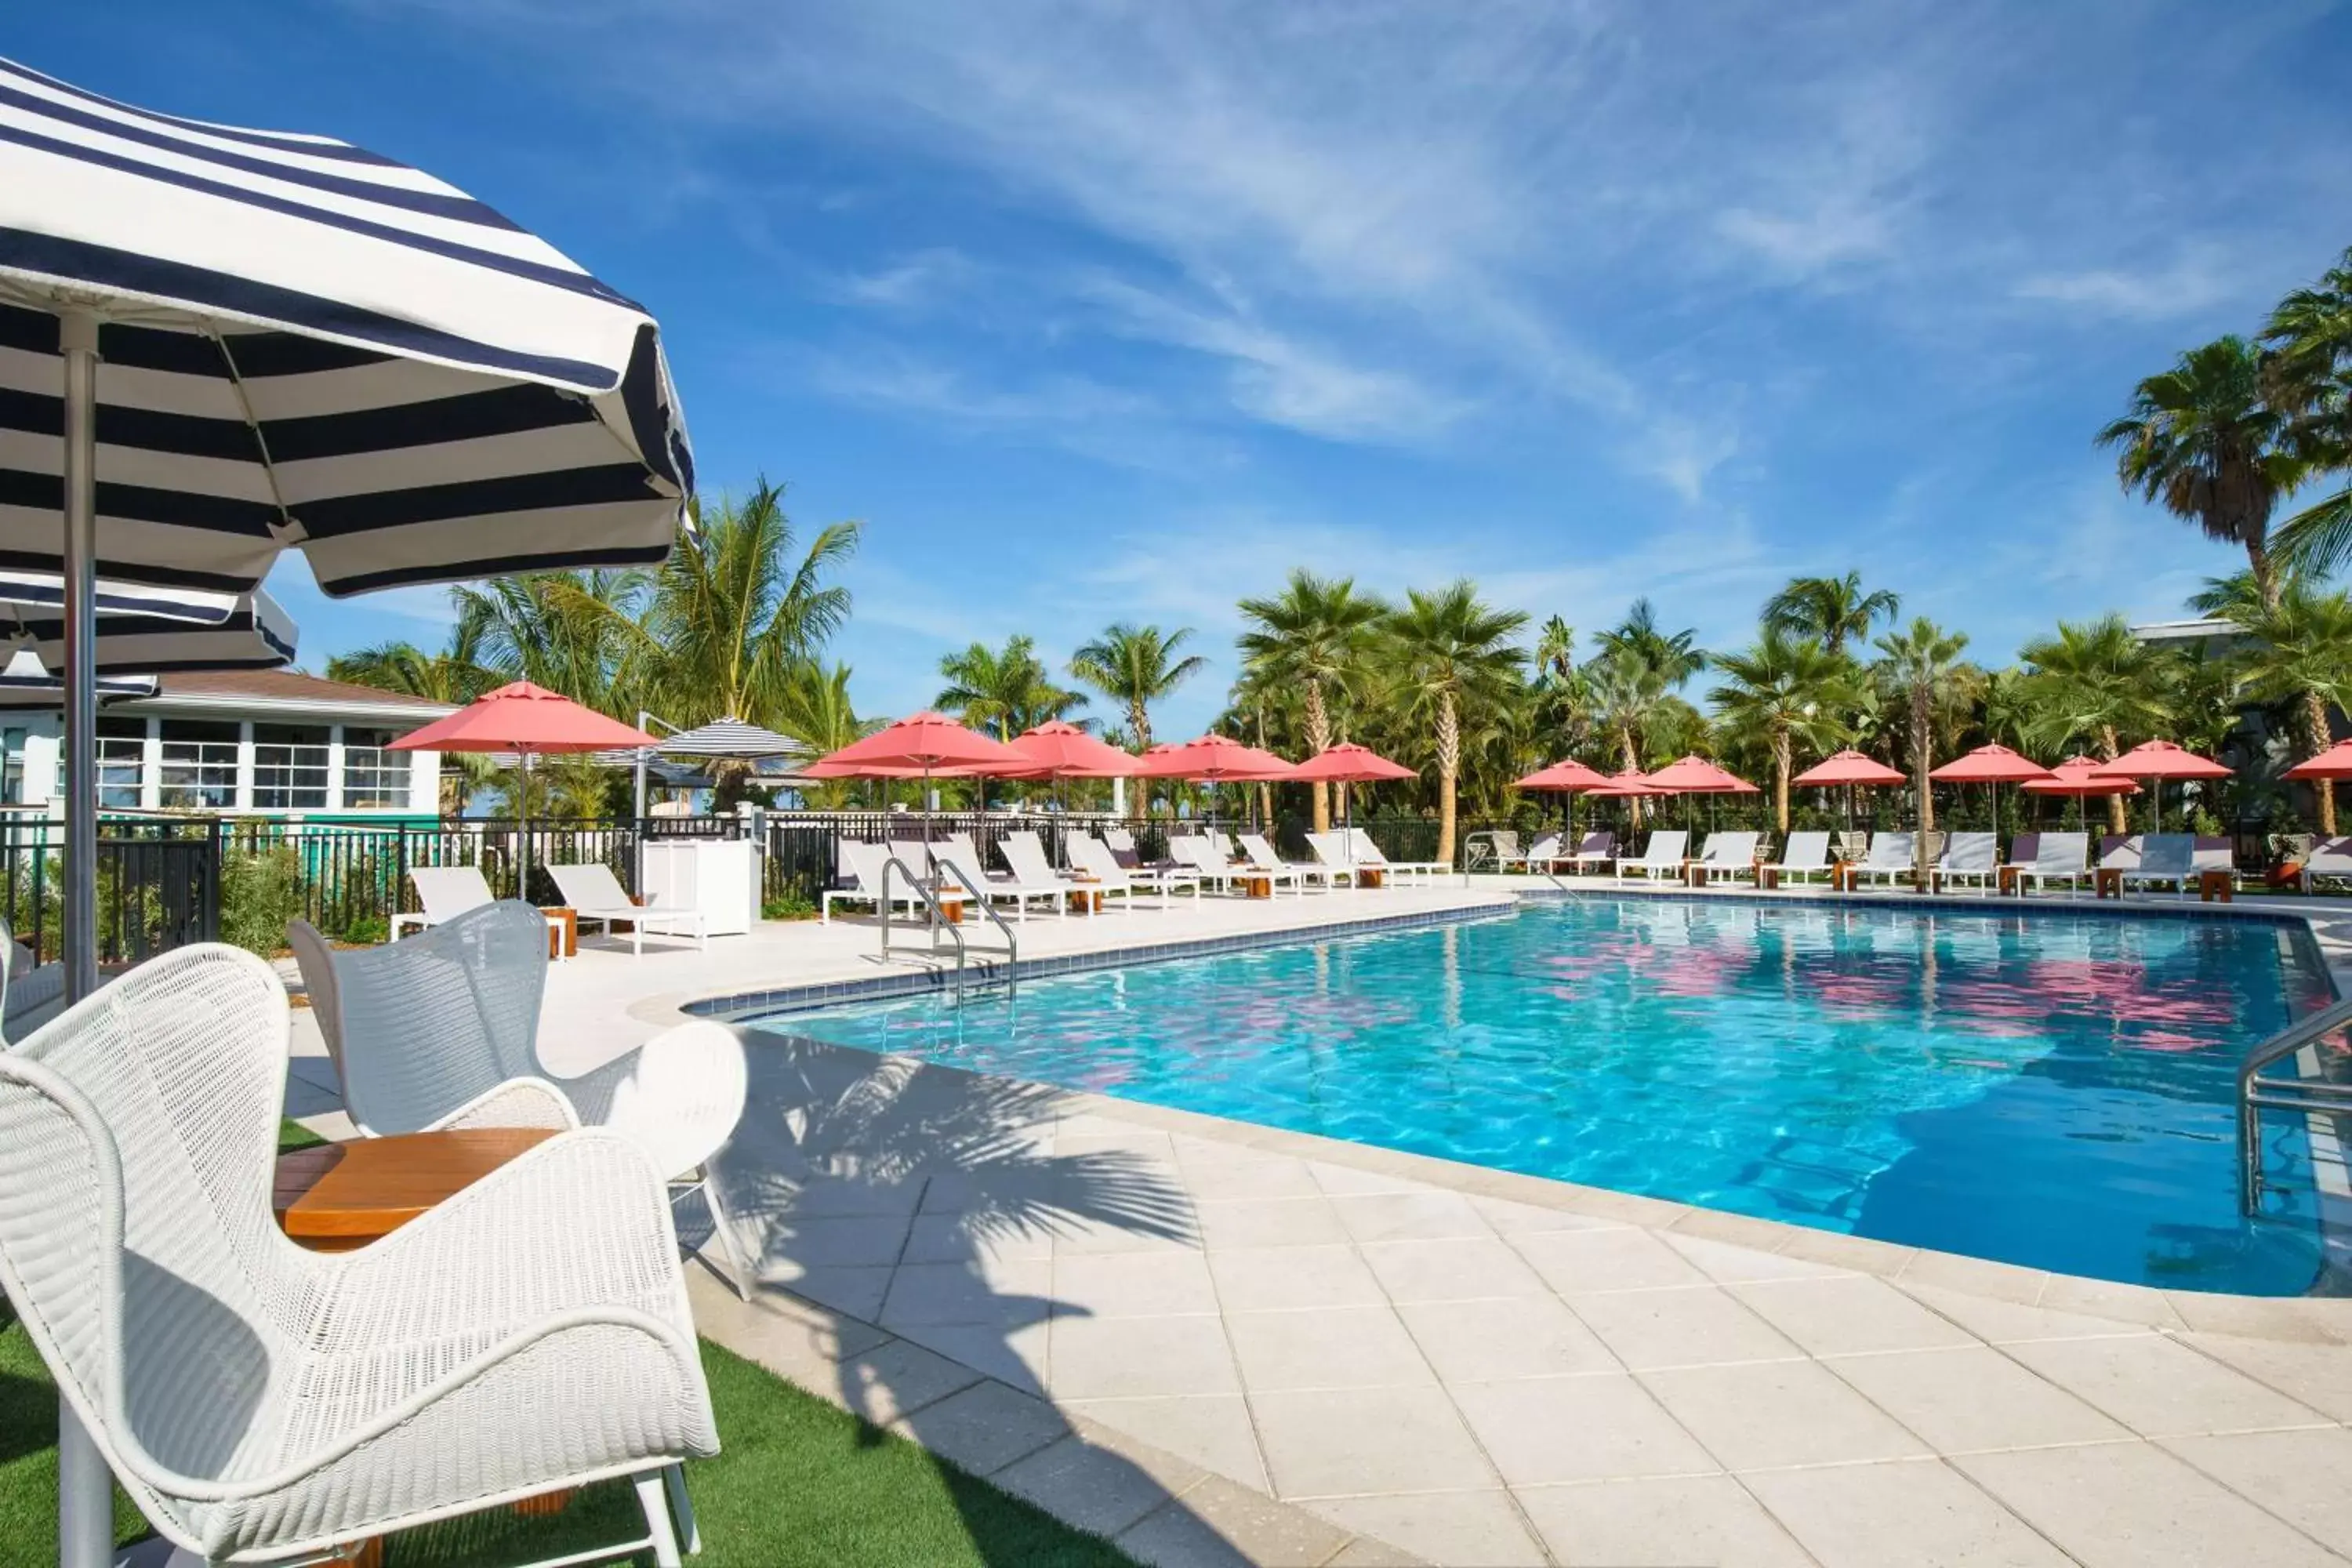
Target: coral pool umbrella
(530, 721)
(1853, 770)
(1567, 777)
(924, 746)
(2079, 777)
(1995, 765)
(1696, 775)
(1060, 750)
(2334, 764)
(2156, 761)
(1214, 759)
(1347, 763)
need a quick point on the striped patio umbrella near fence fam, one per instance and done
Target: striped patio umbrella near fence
(218, 343)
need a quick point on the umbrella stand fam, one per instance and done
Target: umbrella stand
(85, 1485)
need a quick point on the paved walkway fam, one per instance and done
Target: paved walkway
(1218, 1341)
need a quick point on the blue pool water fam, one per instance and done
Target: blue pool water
(2053, 1091)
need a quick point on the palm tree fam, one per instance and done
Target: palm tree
(1450, 652)
(2301, 652)
(1315, 633)
(2095, 682)
(572, 632)
(815, 709)
(456, 674)
(1788, 688)
(1833, 611)
(734, 614)
(1007, 689)
(1916, 664)
(2311, 377)
(1675, 656)
(2204, 441)
(1136, 667)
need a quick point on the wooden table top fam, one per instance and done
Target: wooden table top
(346, 1194)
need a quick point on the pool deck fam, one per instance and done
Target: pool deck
(1219, 1342)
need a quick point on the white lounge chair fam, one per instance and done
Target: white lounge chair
(448, 891)
(1191, 851)
(2164, 857)
(1100, 871)
(960, 868)
(1967, 857)
(593, 893)
(1258, 851)
(1594, 849)
(2328, 858)
(1330, 851)
(1892, 856)
(868, 862)
(30, 993)
(1276, 874)
(2214, 853)
(1806, 855)
(1121, 844)
(2045, 857)
(1497, 848)
(1664, 852)
(1369, 854)
(1546, 852)
(1728, 855)
(261, 1402)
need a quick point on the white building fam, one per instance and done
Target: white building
(245, 744)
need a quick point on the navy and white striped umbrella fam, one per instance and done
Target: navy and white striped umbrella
(307, 344)
(26, 686)
(256, 634)
(729, 737)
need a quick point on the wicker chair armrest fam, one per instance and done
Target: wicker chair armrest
(516, 1102)
(679, 1097)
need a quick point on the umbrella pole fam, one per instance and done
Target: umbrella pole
(85, 1487)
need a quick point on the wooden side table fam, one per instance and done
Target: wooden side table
(1086, 897)
(1370, 877)
(2107, 882)
(1256, 886)
(563, 933)
(1693, 874)
(1841, 877)
(342, 1195)
(2216, 887)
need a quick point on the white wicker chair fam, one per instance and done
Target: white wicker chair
(442, 1030)
(261, 1402)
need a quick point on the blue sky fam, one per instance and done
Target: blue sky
(1121, 310)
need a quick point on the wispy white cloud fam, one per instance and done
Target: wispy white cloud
(2203, 276)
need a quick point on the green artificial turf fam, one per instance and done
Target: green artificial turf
(799, 1483)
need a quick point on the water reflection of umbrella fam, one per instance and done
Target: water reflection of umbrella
(2156, 761)
(1849, 768)
(2079, 776)
(1994, 765)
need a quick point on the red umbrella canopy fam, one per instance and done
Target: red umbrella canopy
(2080, 776)
(521, 717)
(1850, 768)
(1211, 759)
(1990, 764)
(2162, 760)
(930, 744)
(1058, 750)
(2335, 762)
(1625, 787)
(1696, 775)
(1568, 775)
(1348, 763)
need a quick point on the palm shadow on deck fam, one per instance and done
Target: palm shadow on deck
(924, 1203)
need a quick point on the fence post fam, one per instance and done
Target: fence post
(208, 899)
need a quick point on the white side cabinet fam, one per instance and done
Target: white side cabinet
(721, 876)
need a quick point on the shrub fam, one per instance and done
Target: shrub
(790, 907)
(259, 893)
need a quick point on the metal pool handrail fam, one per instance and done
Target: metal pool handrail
(2256, 1096)
(938, 923)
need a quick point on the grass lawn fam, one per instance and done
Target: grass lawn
(800, 1482)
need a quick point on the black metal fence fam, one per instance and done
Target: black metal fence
(158, 885)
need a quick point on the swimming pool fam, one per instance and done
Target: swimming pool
(2053, 1089)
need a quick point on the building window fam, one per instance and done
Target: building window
(121, 758)
(290, 767)
(372, 775)
(199, 763)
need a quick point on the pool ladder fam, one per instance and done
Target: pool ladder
(928, 891)
(2311, 1095)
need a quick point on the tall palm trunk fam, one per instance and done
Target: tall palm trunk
(1140, 718)
(2314, 722)
(1923, 763)
(2109, 750)
(2258, 563)
(1449, 769)
(1781, 760)
(1633, 803)
(1318, 736)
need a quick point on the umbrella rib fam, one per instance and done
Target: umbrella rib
(245, 403)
